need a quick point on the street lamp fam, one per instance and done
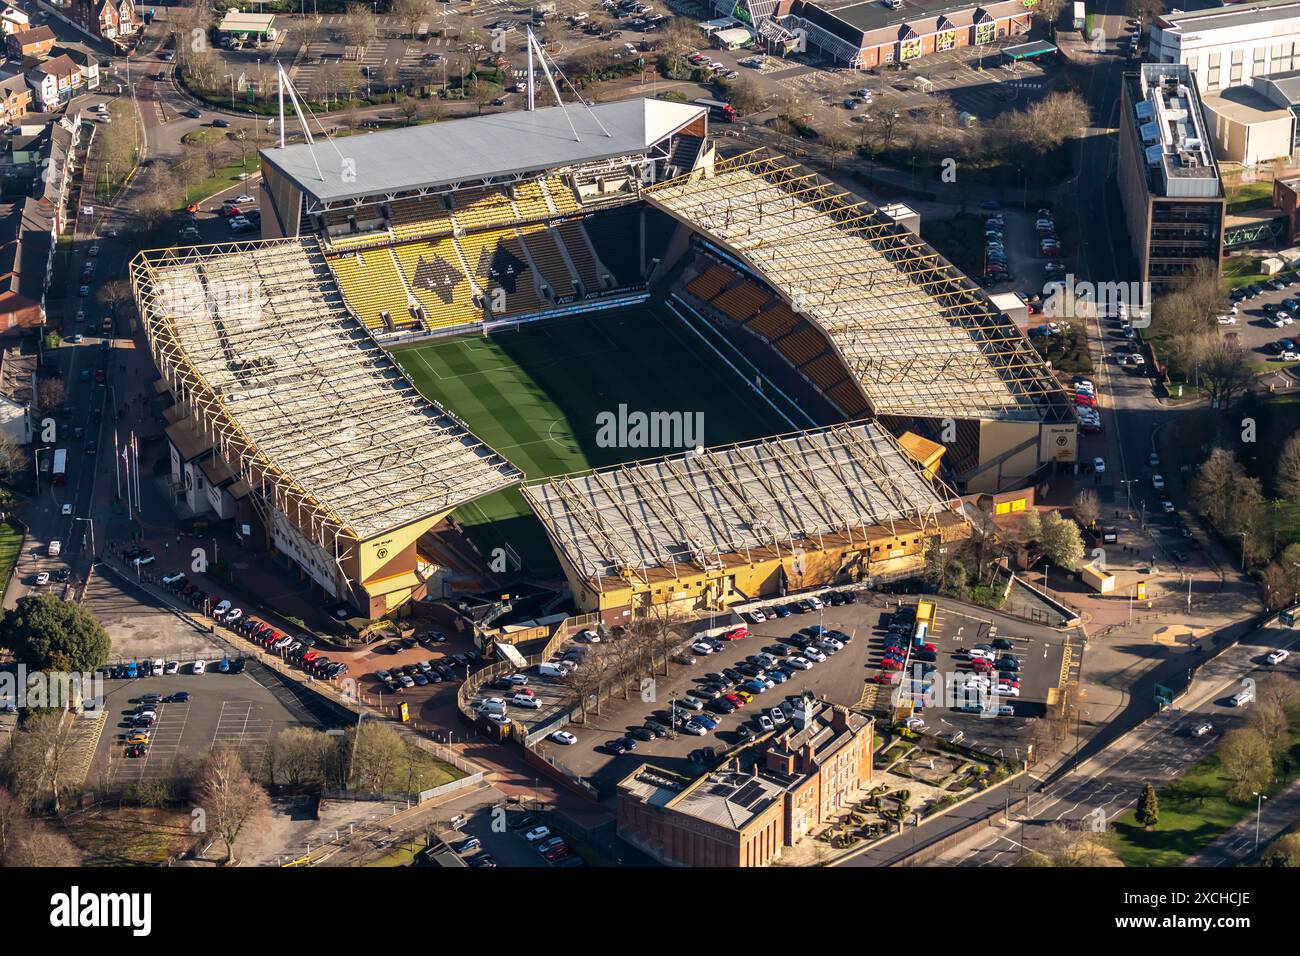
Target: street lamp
(91, 524)
(1259, 806)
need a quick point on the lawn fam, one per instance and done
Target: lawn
(1246, 196)
(11, 541)
(426, 771)
(1193, 812)
(1241, 270)
(534, 394)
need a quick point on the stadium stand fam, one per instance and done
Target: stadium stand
(481, 209)
(580, 252)
(560, 194)
(802, 345)
(419, 218)
(435, 275)
(773, 322)
(373, 287)
(710, 282)
(825, 371)
(742, 301)
(617, 234)
(550, 262)
(530, 201)
(918, 335)
(848, 398)
(498, 262)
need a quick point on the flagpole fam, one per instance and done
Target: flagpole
(135, 457)
(117, 468)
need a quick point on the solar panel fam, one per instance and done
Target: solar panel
(747, 794)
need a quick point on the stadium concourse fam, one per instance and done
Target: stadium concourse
(524, 293)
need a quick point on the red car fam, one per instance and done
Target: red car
(891, 665)
(928, 647)
(309, 657)
(735, 634)
(525, 692)
(981, 666)
(136, 751)
(737, 702)
(1084, 399)
(884, 678)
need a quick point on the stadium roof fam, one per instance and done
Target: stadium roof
(297, 398)
(480, 147)
(918, 336)
(1228, 16)
(697, 509)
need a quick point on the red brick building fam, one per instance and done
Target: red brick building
(765, 798)
(106, 19)
(35, 42)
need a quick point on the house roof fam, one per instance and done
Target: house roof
(61, 65)
(41, 34)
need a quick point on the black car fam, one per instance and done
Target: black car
(924, 656)
(733, 675)
(221, 124)
(743, 732)
(1008, 663)
(777, 650)
(656, 728)
(622, 746)
(192, 113)
(721, 706)
(749, 670)
(1002, 644)
(525, 822)
(408, 642)
(641, 733)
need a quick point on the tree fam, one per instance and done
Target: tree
(1223, 369)
(1285, 851)
(1051, 121)
(39, 845)
(379, 752)
(1287, 479)
(837, 142)
(1087, 507)
(482, 93)
(300, 756)
(674, 46)
(360, 25)
(49, 634)
(1148, 808)
(746, 95)
(39, 752)
(229, 797)
(410, 12)
(1031, 527)
(1245, 762)
(1062, 543)
(12, 457)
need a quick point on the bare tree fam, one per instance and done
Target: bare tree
(229, 797)
(1087, 507)
(1287, 478)
(410, 12)
(1224, 370)
(360, 26)
(12, 457)
(379, 753)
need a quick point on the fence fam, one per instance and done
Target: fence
(403, 796)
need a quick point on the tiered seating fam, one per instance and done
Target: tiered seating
(355, 239)
(825, 371)
(849, 399)
(774, 322)
(802, 345)
(372, 285)
(336, 217)
(531, 201)
(412, 218)
(482, 208)
(617, 234)
(489, 255)
(434, 273)
(710, 282)
(561, 195)
(742, 301)
(548, 258)
(575, 241)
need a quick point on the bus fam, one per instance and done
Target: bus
(60, 473)
(718, 110)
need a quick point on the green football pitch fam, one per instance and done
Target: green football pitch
(534, 392)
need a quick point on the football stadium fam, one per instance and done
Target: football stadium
(590, 342)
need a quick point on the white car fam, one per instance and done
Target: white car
(1008, 690)
(199, 667)
(1167, 506)
(757, 616)
(699, 647)
(1099, 465)
(813, 654)
(1278, 656)
(244, 198)
(777, 715)
(234, 614)
(519, 680)
(501, 719)
(694, 729)
(590, 636)
(1154, 460)
(977, 654)
(170, 579)
(492, 702)
(1137, 359)
(816, 602)
(221, 609)
(1158, 482)
(765, 722)
(1227, 320)
(1276, 321)
(158, 666)
(530, 703)
(800, 663)
(173, 667)
(914, 723)
(1202, 729)
(833, 642)
(537, 834)
(1289, 356)
(67, 510)
(564, 737)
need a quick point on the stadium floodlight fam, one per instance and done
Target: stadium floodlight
(535, 49)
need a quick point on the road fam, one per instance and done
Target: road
(1159, 750)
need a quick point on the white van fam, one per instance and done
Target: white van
(493, 705)
(1242, 698)
(552, 670)
(56, 547)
